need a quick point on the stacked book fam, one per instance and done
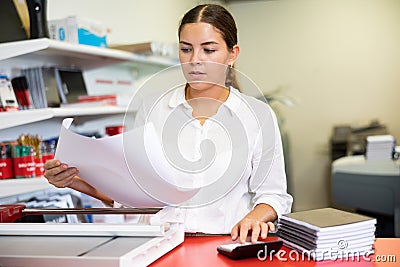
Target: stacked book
(328, 234)
(51, 86)
(37, 82)
(380, 147)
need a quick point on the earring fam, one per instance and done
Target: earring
(231, 65)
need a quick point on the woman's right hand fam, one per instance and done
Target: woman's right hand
(59, 174)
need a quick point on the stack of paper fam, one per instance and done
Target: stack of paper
(380, 147)
(328, 234)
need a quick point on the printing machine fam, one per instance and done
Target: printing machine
(368, 186)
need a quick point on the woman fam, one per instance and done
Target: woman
(257, 196)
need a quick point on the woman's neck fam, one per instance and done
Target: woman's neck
(218, 93)
(205, 103)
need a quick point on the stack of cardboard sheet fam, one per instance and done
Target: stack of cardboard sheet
(328, 234)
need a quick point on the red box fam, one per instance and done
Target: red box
(114, 130)
(6, 168)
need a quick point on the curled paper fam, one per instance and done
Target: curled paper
(102, 163)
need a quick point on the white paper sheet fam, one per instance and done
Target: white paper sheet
(102, 163)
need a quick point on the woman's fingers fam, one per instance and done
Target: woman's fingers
(59, 174)
(257, 228)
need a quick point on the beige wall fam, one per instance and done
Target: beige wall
(339, 58)
(130, 21)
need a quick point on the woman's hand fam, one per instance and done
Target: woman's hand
(258, 222)
(256, 227)
(59, 174)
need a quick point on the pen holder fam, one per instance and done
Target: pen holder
(23, 161)
(48, 149)
(6, 166)
(39, 166)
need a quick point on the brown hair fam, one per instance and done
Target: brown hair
(223, 21)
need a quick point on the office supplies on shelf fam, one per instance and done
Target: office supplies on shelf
(8, 101)
(71, 84)
(36, 86)
(79, 30)
(85, 101)
(50, 86)
(115, 129)
(37, 18)
(6, 167)
(21, 90)
(138, 48)
(24, 165)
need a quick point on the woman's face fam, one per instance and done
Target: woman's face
(204, 55)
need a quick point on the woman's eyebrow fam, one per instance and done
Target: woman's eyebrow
(209, 43)
(205, 43)
(185, 43)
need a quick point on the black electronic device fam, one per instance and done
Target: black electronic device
(38, 18)
(261, 249)
(71, 84)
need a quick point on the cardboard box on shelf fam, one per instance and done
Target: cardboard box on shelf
(139, 48)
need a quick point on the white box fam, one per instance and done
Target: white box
(78, 30)
(7, 96)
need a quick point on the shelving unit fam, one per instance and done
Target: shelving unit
(43, 52)
(11, 187)
(18, 118)
(47, 52)
(154, 60)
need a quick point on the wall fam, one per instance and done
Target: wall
(129, 21)
(340, 59)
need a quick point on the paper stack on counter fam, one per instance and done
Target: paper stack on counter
(328, 234)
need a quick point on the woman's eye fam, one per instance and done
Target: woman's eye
(209, 51)
(186, 50)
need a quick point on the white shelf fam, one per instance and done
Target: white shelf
(17, 118)
(155, 60)
(88, 111)
(12, 187)
(47, 52)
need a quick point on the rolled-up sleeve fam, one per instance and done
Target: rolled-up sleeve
(268, 177)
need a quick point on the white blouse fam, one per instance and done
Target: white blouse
(242, 166)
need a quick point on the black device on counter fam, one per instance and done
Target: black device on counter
(261, 250)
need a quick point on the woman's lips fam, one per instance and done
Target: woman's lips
(197, 75)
